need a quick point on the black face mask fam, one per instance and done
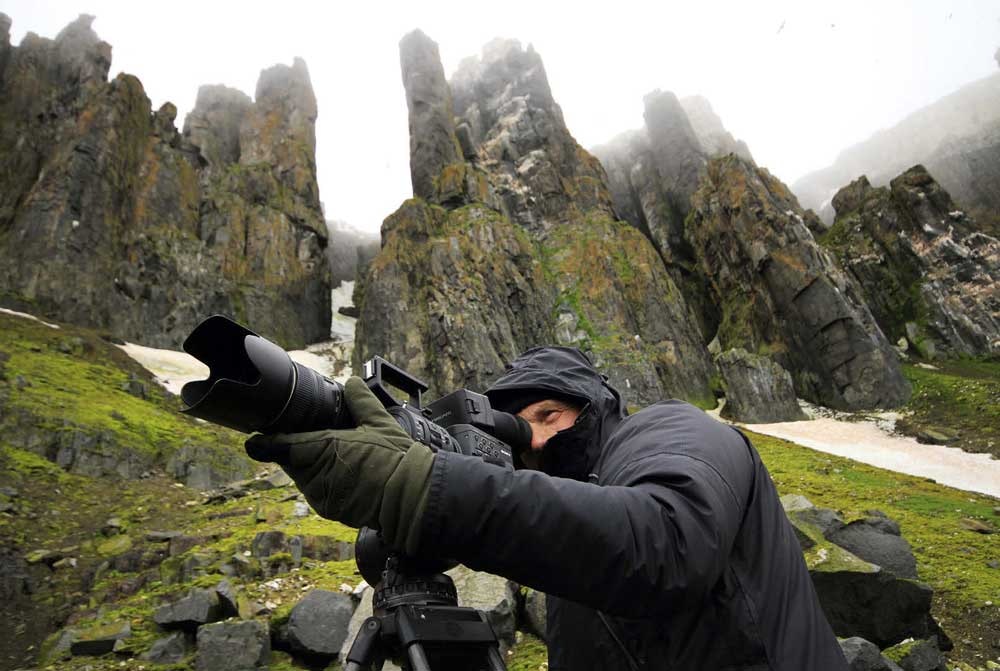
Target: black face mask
(567, 454)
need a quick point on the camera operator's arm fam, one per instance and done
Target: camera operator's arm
(656, 542)
(374, 475)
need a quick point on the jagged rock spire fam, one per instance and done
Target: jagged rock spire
(433, 145)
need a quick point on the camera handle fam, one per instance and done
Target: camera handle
(377, 372)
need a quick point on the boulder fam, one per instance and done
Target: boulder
(919, 655)
(864, 655)
(199, 607)
(495, 596)
(858, 597)
(101, 639)
(877, 540)
(233, 646)
(318, 624)
(171, 649)
(758, 390)
(535, 613)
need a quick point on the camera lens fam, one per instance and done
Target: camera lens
(253, 384)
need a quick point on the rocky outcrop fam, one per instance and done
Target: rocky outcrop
(511, 242)
(713, 136)
(349, 250)
(956, 137)
(780, 293)
(111, 218)
(928, 275)
(758, 391)
(653, 172)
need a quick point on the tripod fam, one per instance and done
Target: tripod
(418, 620)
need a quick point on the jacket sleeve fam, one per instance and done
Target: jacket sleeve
(656, 541)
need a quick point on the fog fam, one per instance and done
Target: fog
(799, 82)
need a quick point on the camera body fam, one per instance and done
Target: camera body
(461, 421)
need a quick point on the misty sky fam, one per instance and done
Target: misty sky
(798, 81)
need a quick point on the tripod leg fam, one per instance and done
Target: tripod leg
(418, 658)
(361, 653)
(496, 661)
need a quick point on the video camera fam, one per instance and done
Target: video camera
(254, 385)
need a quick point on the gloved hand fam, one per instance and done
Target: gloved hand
(374, 475)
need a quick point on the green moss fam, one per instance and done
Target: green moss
(76, 384)
(961, 397)
(899, 651)
(528, 654)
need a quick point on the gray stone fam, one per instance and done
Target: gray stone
(318, 624)
(199, 607)
(875, 605)
(870, 541)
(758, 390)
(162, 536)
(169, 650)
(228, 599)
(233, 646)
(495, 596)
(535, 613)
(266, 543)
(922, 655)
(100, 640)
(863, 655)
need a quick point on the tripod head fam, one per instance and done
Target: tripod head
(416, 617)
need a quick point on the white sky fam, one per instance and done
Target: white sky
(798, 81)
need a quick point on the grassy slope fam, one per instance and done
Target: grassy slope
(961, 398)
(58, 510)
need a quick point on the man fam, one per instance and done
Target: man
(658, 537)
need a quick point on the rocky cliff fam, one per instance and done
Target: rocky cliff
(653, 172)
(957, 138)
(511, 242)
(781, 294)
(930, 277)
(109, 217)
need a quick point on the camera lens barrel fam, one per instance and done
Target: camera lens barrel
(253, 384)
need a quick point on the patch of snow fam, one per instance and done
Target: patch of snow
(342, 327)
(871, 441)
(25, 315)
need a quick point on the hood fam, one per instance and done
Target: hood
(566, 371)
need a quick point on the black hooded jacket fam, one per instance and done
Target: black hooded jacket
(662, 530)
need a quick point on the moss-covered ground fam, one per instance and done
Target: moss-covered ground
(124, 575)
(960, 398)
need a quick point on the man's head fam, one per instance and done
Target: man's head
(567, 403)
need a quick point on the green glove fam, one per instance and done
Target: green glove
(374, 475)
